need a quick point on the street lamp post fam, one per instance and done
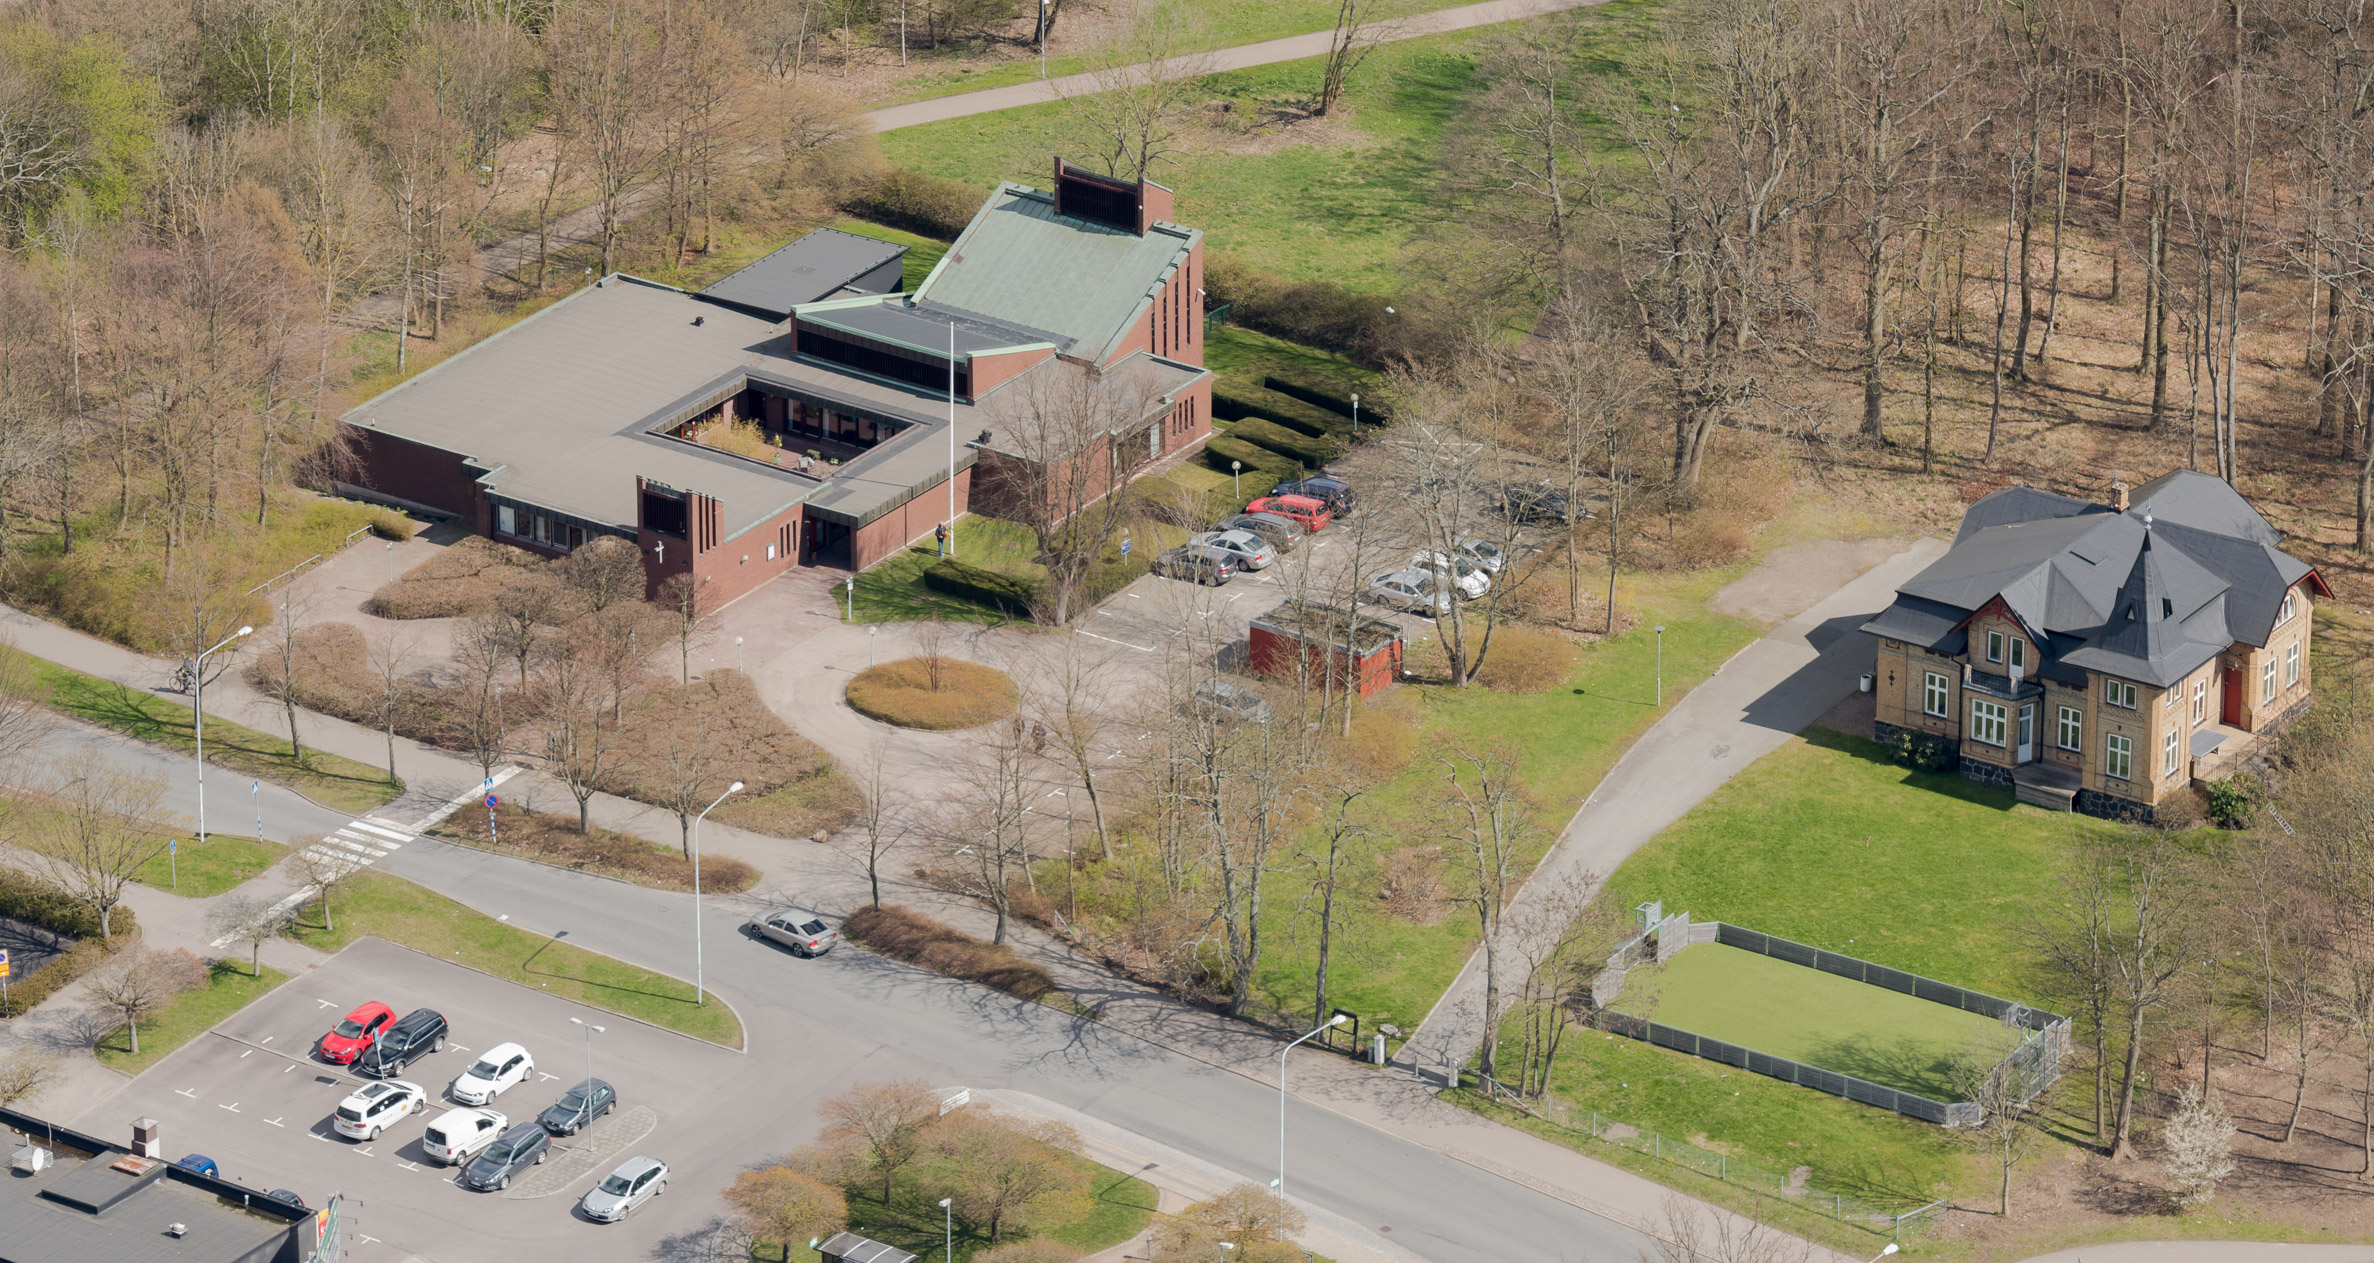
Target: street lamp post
(1236, 470)
(1225, 1247)
(737, 653)
(198, 719)
(1328, 1025)
(590, 1031)
(872, 630)
(1042, 39)
(849, 594)
(699, 993)
(1660, 664)
(948, 1226)
(1355, 413)
(1884, 1253)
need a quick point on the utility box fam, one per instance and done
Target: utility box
(1351, 651)
(148, 1138)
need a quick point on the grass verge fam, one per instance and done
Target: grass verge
(1120, 1206)
(202, 870)
(229, 988)
(893, 591)
(385, 906)
(340, 784)
(900, 692)
(552, 838)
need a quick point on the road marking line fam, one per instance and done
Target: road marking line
(366, 1240)
(324, 1003)
(1123, 643)
(276, 1122)
(541, 1075)
(365, 824)
(185, 1092)
(409, 1166)
(318, 1136)
(267, 1039)
(356, 847)
(460, 1047)
(245, 1055)
(366, 1152)
(233, 1107)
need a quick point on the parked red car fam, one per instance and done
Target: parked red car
(354, 1036)
(1311, 514)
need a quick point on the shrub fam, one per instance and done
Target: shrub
(458, 581)
(553, 838)
(26, 898)
(922, 204)
(1314, 313)
(392, 525)
(2234, 800)
(31, 989)
(1028, 1252)
(1712, 544)
(2199, 1138)
(1526, 660)
(904, 934)
(1241, 403)
(1302, 448)
(900, 692)
(1232, 403)
(1922, 752)
(951, 577)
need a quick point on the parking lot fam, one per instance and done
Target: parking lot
(251, 1096)
(1155, 611)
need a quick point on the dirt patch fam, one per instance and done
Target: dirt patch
(553, 838)
(965, 694)
(1853, 715)
(1795, 576)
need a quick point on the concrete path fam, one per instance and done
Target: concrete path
(1268, 52)
(1762, 696)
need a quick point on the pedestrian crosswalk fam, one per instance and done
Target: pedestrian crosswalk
(364, 840)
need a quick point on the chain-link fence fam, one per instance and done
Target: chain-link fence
(1791, 1187)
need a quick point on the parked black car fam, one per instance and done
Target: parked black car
(1335, 493)
(1195, 565)
(414, 1036)
(579, 1106)
(1538, 504)
(513, 1152)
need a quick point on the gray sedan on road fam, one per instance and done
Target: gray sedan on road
(636, 1181)
(801, 931)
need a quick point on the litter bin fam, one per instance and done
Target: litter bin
(1866, 687)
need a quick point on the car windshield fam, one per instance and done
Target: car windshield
(485, 1070)
(349, 1028)
(498, 1153)
(616, 1184)
(813, 927)
(571, 1101)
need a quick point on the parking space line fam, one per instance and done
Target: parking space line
(233, 1106)
(318, 1136)
(461, 1047)
(275, 1122)
(267, 1039)
(366, 1152)
(366, 1240)
(1123, 643)
(541, 1075)
(409, 1166)
(185, 1092)
(245, 1055)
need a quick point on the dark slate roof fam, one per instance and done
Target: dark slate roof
(2197, 566)
(811, 268)
(926, 326)
(81, 1210)
(853, 1248)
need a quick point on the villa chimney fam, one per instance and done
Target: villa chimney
(2118, 495)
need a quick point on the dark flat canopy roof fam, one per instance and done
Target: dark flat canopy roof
(806, 271)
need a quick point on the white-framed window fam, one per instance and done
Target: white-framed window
(2267, 680)
(770, 552)
(2019, 656)
(2118, 693)
(1994, 646)
(2200, 700)
(2168, 746)
(506, 519)
(2291, 665)
(2291, 606)
(1988, 721)
(2072, 728)
(2118, 756)
(543, 527)
(2176, 694)
(1933, 695)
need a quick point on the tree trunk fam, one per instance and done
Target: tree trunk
(2118, 211)
(2299, 1083)
(2002, 314)
(2159, 324)
(2052, 308)
(1874, 326)
(2121, 1144)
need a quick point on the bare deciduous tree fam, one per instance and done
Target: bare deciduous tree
(94, 828)
(250, 919)
(141, 981)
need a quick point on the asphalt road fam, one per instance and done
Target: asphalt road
(233, 802)
(853, 1014)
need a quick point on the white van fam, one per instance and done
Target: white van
(457, 1134)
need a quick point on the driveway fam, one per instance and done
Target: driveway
(1759, 699)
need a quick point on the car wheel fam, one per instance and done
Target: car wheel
(502, 1184)
(374, 1135)
(439, 1046)
(663, 1187)
(542, 1156)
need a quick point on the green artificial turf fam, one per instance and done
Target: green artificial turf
(1821, 1019)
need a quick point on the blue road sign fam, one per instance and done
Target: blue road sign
(490, 802)
(172, 846)
(1125, 545)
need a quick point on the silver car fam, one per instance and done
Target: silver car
(1459, 574)
(801, 931)
(1412, 590)
(1482, 554)
(1281, 533)
(1247, 550)
(636, 1181)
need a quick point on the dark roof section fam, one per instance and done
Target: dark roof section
(2148, 594)
(1297, 620)
(925, 326)
(810, 269)
(852, 1248)
(84, 1208)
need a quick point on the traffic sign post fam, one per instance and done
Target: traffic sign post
(173, 860)
(255, 795)
(491, 838)
(3, 978)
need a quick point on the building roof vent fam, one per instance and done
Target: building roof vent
(177, 1230)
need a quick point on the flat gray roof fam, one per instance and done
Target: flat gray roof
(557, 406)
(809, 269)
(131, 1229)
(925, 327)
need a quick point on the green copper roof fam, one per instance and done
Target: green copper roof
(1021, 263)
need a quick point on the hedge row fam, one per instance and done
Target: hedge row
(951, 577)
(1302, 448)
(27, 899)
(1323, 397)
(1237, 402)
(923, 204)
(1221, 449)
(904, 934)
(1316, 313)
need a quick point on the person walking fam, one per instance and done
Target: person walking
(939, 538)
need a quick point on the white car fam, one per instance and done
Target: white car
(375, 1107)
(456, 1136)
(1246, 549)
(1412, 590)
(502, 1067)
(1469, 578)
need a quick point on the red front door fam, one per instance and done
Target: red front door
(2232, 710)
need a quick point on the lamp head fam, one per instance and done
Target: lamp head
(945, 1202)
(1890, 1250)
(246, 631)
(1338, 1020)
(734, 788)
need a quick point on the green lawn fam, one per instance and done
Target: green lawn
(892, 591)
(923, 253)
(229, 988)
(388, 907)
(340, 784)
(1121, 1207)
(1348, 203)
(1392, 970)
(206, 869)
(1821, 1019)
(1247, 356)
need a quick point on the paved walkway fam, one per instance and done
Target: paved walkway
(1756, 701)
(1268, 52)
(2209, 1252)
